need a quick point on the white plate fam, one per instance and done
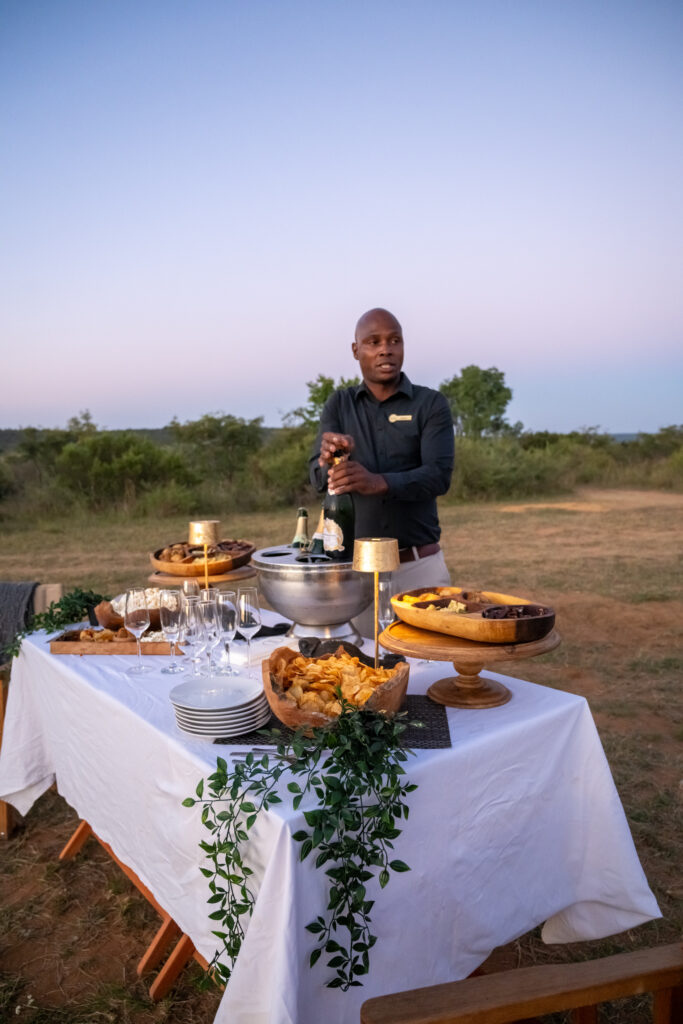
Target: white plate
(228, 719)
(241, 710)
(224, 732)
(216, 696)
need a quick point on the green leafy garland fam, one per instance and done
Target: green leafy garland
(71, 607)
(354, 768)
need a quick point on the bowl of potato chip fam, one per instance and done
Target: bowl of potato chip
(306, 691)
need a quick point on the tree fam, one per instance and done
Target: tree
(218, 444)
(319, 390)
(478, 400)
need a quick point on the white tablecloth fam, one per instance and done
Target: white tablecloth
(517, 823)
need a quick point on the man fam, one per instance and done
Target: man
(399, 437)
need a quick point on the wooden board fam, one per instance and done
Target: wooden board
(60, 645)
(467, 689)
(472, 625)
(422, 643)
(161, 579)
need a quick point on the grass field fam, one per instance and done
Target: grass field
(609, 562)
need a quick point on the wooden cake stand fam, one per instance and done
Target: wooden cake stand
(466, 689)
(164, 579)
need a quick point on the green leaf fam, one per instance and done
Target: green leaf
(398, 865)
(314, 957)
(189, 802)
(200, 789)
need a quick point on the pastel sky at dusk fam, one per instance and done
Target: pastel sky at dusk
(198, 200)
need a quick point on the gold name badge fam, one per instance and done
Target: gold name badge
(394, 418)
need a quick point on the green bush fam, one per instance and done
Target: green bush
(116, 468)
(500, 468)
(6, 481)
(279, 471)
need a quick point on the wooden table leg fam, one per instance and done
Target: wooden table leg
(154, 953)
(178, 959)
(184, 949)
(77, 841)
(7, 816)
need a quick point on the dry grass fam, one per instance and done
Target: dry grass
(611, 565)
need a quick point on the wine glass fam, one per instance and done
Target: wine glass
(136, 621)
(212, 634)
(191, 588)
(194, 635)
(226, 611)
(385, 611)
(170, 613)
(248, 616)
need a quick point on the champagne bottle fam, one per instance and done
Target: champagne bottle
(338, 528)
(317, 548)
(301, 535)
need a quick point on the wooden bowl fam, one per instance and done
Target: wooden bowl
(217, 568)
(478, 622)
(388, 697)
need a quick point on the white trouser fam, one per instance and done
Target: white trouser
(425, 572)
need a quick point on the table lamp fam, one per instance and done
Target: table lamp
(205, 532)
(376, 555)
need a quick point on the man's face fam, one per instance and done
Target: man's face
(379, 348)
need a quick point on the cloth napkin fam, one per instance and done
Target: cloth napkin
(279, 629)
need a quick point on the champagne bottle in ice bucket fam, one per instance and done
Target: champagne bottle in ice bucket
(301, 535)
(338, 521)
(317, 547)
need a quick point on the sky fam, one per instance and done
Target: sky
(199, 199)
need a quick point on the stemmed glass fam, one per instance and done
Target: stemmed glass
(385, 611)
(170, 613)
(227, 623)
(191, 588)
(212, 636)
(136, 621)
(248, 616)
(194, 635)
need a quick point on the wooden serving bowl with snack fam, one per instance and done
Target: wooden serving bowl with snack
(304, 692)
(481, 615)
(184, 559)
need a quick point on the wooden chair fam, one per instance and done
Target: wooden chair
(167, 933)
(523, 994)
(43, 596)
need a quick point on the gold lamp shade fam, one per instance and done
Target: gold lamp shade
(375, 554)
(205, 531)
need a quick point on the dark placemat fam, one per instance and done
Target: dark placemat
(433, 734)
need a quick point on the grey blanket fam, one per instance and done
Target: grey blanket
(16, 611)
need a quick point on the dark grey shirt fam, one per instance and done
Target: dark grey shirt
(408, 438)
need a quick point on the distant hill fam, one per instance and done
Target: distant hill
(11, 436)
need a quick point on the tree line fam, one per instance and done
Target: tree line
(225, 462)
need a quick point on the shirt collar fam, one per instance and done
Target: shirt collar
(404, 387)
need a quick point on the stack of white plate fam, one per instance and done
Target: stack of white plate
(220, 710)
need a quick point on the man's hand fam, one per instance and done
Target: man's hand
(332, 443)
(347, 477)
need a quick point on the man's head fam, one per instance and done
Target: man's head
(378, 347)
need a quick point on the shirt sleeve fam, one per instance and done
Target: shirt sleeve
(437, 448)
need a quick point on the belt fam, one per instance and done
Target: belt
(414, 554)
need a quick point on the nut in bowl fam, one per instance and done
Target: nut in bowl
(481, 615)
(305, 691)
(188, 559)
